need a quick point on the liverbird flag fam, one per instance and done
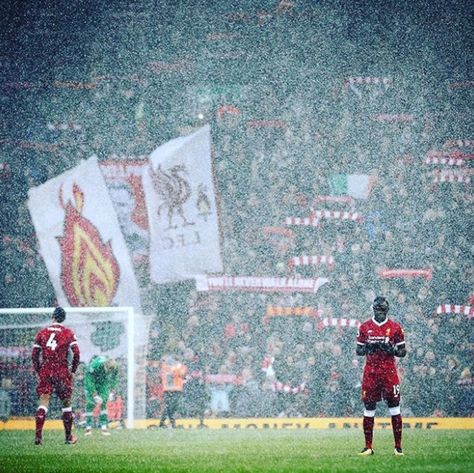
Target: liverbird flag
(81, 241)
(181, 206)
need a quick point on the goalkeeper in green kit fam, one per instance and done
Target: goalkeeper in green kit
(100, 378)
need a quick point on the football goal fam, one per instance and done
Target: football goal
(105, 331)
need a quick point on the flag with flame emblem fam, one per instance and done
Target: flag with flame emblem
(182, 210)
(81, 241)
(90, 272)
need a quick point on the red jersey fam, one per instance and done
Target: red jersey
(53, 343)
(385, 332)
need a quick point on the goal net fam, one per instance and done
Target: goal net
(115, 332)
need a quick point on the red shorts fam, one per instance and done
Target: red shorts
(380, 385)
(60, 383)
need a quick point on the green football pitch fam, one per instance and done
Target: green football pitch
(234, 450)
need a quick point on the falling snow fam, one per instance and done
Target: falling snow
(342, 146)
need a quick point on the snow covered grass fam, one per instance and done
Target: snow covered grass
(237, 450)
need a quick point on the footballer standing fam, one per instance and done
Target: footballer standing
(50, 361)
(380, 340)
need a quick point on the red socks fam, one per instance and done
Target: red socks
(397, 424)
(40, 417)
(397, 430)
(368, 425)
(67, 421)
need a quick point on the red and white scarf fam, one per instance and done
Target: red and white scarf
(258, 284)
(459, 144)
(452, 176)
(446, 161)
(278, 387)
(454, 154)
(315, 260)
(455, 309)
(304, 221)
(299, 311)
(406, 273)
(58, 126)
(334, 214)
(338, 322)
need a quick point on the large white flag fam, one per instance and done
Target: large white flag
(181, 206)
(80, 240)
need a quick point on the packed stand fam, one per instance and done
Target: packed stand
(278, 146)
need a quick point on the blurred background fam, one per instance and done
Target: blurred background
(357, 106)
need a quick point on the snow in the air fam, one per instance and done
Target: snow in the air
(337, 167)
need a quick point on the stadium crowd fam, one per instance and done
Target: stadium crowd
(279, 142)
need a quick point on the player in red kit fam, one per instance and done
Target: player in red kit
(381, 340)
(50, 361)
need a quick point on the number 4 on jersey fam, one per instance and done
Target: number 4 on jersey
(52, 343)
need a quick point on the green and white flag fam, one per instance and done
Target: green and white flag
(355, 185)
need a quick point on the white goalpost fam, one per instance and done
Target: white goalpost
(108, 331)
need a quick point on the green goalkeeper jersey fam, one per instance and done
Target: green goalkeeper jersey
(97, 378)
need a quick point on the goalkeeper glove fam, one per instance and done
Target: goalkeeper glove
(97, 399)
